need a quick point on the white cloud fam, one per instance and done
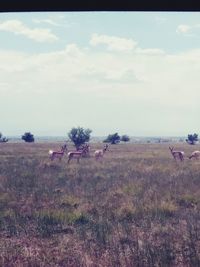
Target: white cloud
(188, 30)
(183, 28)
(36, 34)
(154, 74)
(150, 51)
(113, 43)
(47, 21)
(160, 20)
(147, 84)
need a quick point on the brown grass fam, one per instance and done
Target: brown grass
(136, 207)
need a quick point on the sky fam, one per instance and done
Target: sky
(135, 73)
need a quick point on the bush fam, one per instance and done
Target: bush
(192, 139)
(3, 139)
(112, 138)
(79, 136)
(28, 137)
(125, 138)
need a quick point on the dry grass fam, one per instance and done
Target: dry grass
(136, 207)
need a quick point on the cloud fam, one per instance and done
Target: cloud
(122, 77)
(188, 30)
(113, 43)
(183, 28)
(36, 34)
(55, 21)
(160, 20)
(47, 21)
(150, 51)
(152, 71)
(154, 88)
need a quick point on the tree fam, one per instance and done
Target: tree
(112, 138)
(192, 139)
(3, 139)
(28, 137)
(125, 138)
(79, 136)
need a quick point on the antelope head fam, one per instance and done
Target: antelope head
(105, 147)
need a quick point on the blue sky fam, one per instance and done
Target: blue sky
(134, 73)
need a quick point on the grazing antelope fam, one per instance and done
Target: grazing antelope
(99, 153)
(77, 154)
(86, 149)
(177, 154)
(58, 154)
(195, 154)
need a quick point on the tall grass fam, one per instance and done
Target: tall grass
(136, 207)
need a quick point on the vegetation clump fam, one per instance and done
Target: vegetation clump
(125, 138)
(3, 139)
(112, 139)
(28, 137)
(192, 139)
(79, 136)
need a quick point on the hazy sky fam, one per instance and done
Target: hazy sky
(135, 73)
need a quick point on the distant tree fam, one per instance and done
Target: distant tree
(3, 139)
(192, 139)
(125, 138)
(79, 136)
(112, 139)
(28, 137)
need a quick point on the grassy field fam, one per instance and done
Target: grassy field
(136, 207)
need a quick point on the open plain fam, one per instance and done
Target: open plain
(135, 207)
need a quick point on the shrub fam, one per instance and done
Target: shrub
(192, 139)
(125, 138)
(112, 138)
(3, 139)
(79, 136)
(28, 137)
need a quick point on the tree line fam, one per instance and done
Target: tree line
(79, 136)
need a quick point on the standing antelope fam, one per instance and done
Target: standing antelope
(99, 153)
(177, 154)
(77, 154)
(58, 154)
(195, 154)
(86, 149)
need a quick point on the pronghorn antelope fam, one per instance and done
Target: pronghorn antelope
(99, 153)
(195, 154)
(58, 154)
(86, 149)
(177, 154)
(77, 154)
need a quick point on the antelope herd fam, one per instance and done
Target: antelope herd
(81, 151)
(180, 155)
(84, 151)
